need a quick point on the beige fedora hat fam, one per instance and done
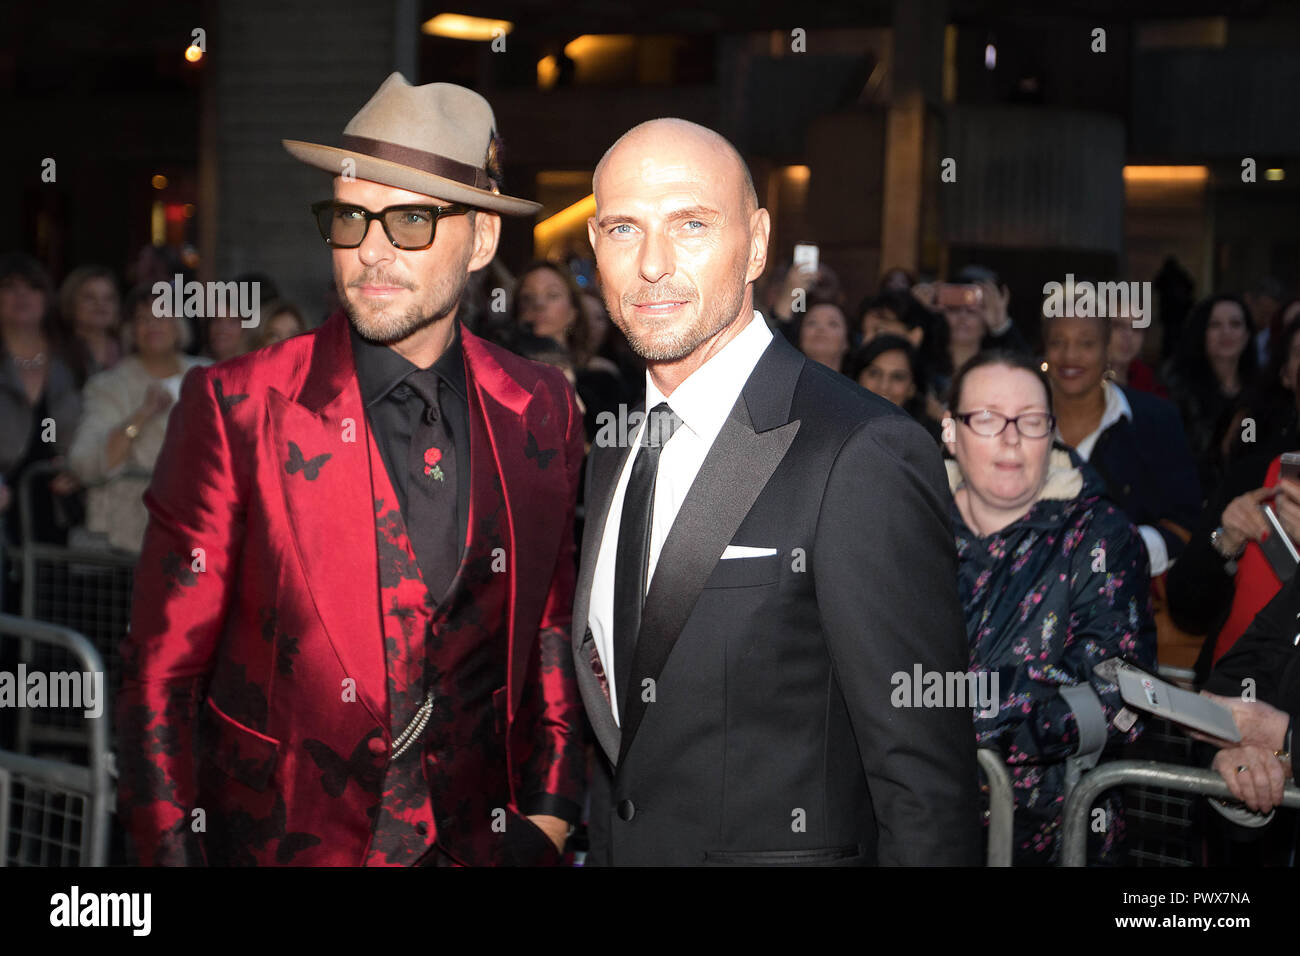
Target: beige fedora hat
(430, 139)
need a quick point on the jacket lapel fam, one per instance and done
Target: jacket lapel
(321, 454)
(603, 468)
(531, 532)
(751, 445)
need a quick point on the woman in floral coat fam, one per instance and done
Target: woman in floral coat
(1053, 581)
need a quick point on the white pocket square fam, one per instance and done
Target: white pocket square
(740, 551)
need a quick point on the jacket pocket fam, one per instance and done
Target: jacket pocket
(745, 572)
(240, 752)
(811, 857)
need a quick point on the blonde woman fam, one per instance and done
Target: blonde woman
(121, 433)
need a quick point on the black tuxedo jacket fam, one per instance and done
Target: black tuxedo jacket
(759, 725)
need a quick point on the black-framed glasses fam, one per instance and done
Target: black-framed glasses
(989, 424)
(344, 225)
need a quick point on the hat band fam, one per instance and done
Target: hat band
(443, 166)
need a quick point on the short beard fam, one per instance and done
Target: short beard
(386, 328)
(715, 314)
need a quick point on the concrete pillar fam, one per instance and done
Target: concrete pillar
(297, 70)
(917, 84)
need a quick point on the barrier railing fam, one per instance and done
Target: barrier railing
(56, 812)
(1195, 780)
(87, 590)
(1001, 807)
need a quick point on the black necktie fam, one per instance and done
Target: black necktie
(633, 555)
(431, 492)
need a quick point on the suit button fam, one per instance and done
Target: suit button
(378, 746)
(422, 828)
(626, 810)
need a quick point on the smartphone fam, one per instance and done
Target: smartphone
(1277, 547)
(955, 295)
(806, 256)
(1291, 466)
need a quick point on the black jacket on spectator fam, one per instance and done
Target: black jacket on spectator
(1199, 587)
(1269, 655)
(1148, 468)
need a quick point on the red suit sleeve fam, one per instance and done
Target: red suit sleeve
(554, 772)
(184, 581)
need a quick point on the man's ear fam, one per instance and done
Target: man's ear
(487, 233)
(760, 228)
(916, 336)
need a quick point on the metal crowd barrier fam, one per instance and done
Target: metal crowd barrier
(1193, 780)
(1002, 806)
(87, 590)
(56, 812)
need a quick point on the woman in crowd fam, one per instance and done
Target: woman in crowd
(1272, 404)
(1052, 580)
(89, 302)
(1132, 439)
(796, 288)
(1123, 358)
(39, 401)
(549, 304)
(227, 337)
(889, 314)
(284, 320)
(119, 438)
(896, 279)
(1223, 578)
(891, 367)
(1210, 377)
(822, 334)
(978, 325)
(609, 343)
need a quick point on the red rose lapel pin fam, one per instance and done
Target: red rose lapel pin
(431, 467)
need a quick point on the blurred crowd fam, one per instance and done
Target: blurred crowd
(1109, 479)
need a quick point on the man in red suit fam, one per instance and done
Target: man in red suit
(349, 638)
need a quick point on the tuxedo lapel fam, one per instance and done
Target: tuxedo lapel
(604, 466)
(320, 454)
(754, 439)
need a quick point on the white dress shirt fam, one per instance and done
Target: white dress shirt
(1117, 407)
(702, 402)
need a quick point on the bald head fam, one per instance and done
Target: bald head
(679, 239)
(669, 137)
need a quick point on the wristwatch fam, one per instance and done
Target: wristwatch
(132, 430)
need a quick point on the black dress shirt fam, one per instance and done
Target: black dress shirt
(393, 409)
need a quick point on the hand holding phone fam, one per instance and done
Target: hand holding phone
(806, 256)
(954, 295)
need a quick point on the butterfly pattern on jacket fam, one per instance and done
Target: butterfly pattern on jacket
(310, 467)
(177, 571)
(543, 456)
(362, 766)
(227, 402)
(232, 842)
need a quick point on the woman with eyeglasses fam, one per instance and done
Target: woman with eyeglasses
(1053, 581)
